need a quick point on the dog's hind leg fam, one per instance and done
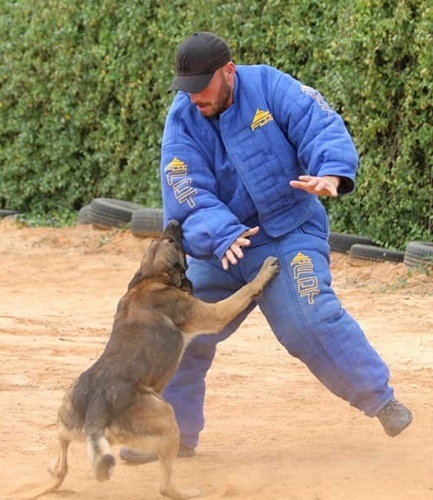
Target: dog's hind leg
(152, 427)
(98, 448)
(166, 450)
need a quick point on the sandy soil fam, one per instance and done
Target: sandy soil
(273, 432)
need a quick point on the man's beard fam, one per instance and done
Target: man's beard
(222, 102)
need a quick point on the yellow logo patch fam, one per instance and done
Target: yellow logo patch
(261, 118)
(303, 273)
(177, 177)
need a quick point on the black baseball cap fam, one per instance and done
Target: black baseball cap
(197, 59)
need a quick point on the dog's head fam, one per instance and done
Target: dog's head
(165, 257)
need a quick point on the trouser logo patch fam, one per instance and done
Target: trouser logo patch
(303, 273)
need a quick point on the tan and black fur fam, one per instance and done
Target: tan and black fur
(118, 399)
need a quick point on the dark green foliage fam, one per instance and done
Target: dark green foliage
(83, 97)
(83, 101)
(387, 101)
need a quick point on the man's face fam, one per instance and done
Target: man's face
(217, 96)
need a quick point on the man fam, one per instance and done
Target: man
(246, 152)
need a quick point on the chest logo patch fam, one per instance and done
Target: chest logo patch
(261, 118)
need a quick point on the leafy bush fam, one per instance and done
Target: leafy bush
(83, 97)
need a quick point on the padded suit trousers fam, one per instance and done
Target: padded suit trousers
(304, 314)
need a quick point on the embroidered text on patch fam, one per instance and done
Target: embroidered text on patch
(303, 272)
(315, 94)
(261, 118)
(177, 177)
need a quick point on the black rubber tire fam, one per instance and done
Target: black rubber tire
(8, 213)
(147, 222)
(375, 253)
(83, 215)
(419, 254)
(109, 212)
(341, 242)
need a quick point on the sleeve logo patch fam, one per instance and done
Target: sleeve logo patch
(177, 177)
(317, 96)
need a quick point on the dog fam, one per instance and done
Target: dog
(118, 399)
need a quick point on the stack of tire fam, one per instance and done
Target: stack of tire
(107, 213)
(418, 254)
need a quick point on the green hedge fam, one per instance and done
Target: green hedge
(83, 97)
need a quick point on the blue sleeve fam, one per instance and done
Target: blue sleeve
(319, 134)
(189, 192)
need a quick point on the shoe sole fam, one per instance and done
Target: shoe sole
(398, 431)
(136, 457)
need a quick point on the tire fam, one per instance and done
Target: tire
(8, 213)
(419, 254)
(147, 222)
(83, 215)
(375, 253)
(108, 212)
(341, 242)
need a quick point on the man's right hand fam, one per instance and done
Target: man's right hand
(234, 253)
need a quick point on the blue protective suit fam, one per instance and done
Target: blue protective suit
(223, 175)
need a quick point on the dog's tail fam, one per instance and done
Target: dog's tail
(58, 472)
(35, 492)
(98, 448)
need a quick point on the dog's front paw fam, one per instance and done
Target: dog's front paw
(268, 271)
(271, 267)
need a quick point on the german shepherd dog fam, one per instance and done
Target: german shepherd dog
(118, 399)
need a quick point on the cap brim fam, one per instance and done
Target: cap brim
(191, 83)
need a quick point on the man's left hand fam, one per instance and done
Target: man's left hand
(321, 186)
(234, 253)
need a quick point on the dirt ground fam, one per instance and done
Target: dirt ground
(273, 432)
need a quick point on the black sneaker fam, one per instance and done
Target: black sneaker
(394, 417)
(139, 457)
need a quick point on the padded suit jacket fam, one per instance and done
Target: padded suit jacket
(222, 175)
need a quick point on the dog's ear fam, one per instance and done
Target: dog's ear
(176, 274)
(186, 285)
(138, 276)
